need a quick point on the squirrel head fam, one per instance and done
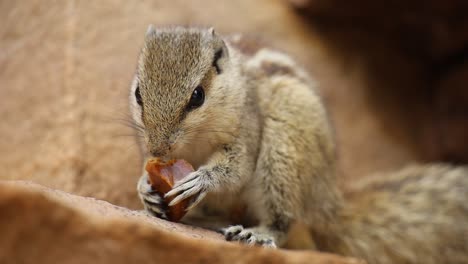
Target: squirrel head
(186, 91)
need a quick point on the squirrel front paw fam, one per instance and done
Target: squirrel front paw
(194, 186)
(250, 236)
(152, 201)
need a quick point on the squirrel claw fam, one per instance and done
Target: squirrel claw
(248, 236)
(152, 201)
(195, 184)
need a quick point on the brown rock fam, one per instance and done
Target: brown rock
(41, 225)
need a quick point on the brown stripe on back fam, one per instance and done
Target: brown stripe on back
(246, 45)
(249, 46)
(273, 68)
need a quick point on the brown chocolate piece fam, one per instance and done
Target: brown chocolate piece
(162, 176)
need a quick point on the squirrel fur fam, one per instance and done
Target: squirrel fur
(264, 156)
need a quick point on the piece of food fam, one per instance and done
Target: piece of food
(162, 176)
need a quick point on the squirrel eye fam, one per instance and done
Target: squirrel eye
(197, 98)
(138, 96)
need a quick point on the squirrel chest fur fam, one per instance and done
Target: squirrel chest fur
(250, 122)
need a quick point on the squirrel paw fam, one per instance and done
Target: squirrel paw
(248, 236)
(152, 201)
(194, 185)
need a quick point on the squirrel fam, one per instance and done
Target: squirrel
(250, 121)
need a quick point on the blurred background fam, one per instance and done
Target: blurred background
(393, 77)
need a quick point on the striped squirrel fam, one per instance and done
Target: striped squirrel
(250, 121)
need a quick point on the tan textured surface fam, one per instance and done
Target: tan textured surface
(40, 225)
(65, 67)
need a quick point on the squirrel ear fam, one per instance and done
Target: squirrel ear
(218, 40)
(221, 54)
(212, 31)
(150, 30)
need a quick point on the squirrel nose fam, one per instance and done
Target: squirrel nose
(160, 152)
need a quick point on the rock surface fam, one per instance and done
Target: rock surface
(41, 225)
